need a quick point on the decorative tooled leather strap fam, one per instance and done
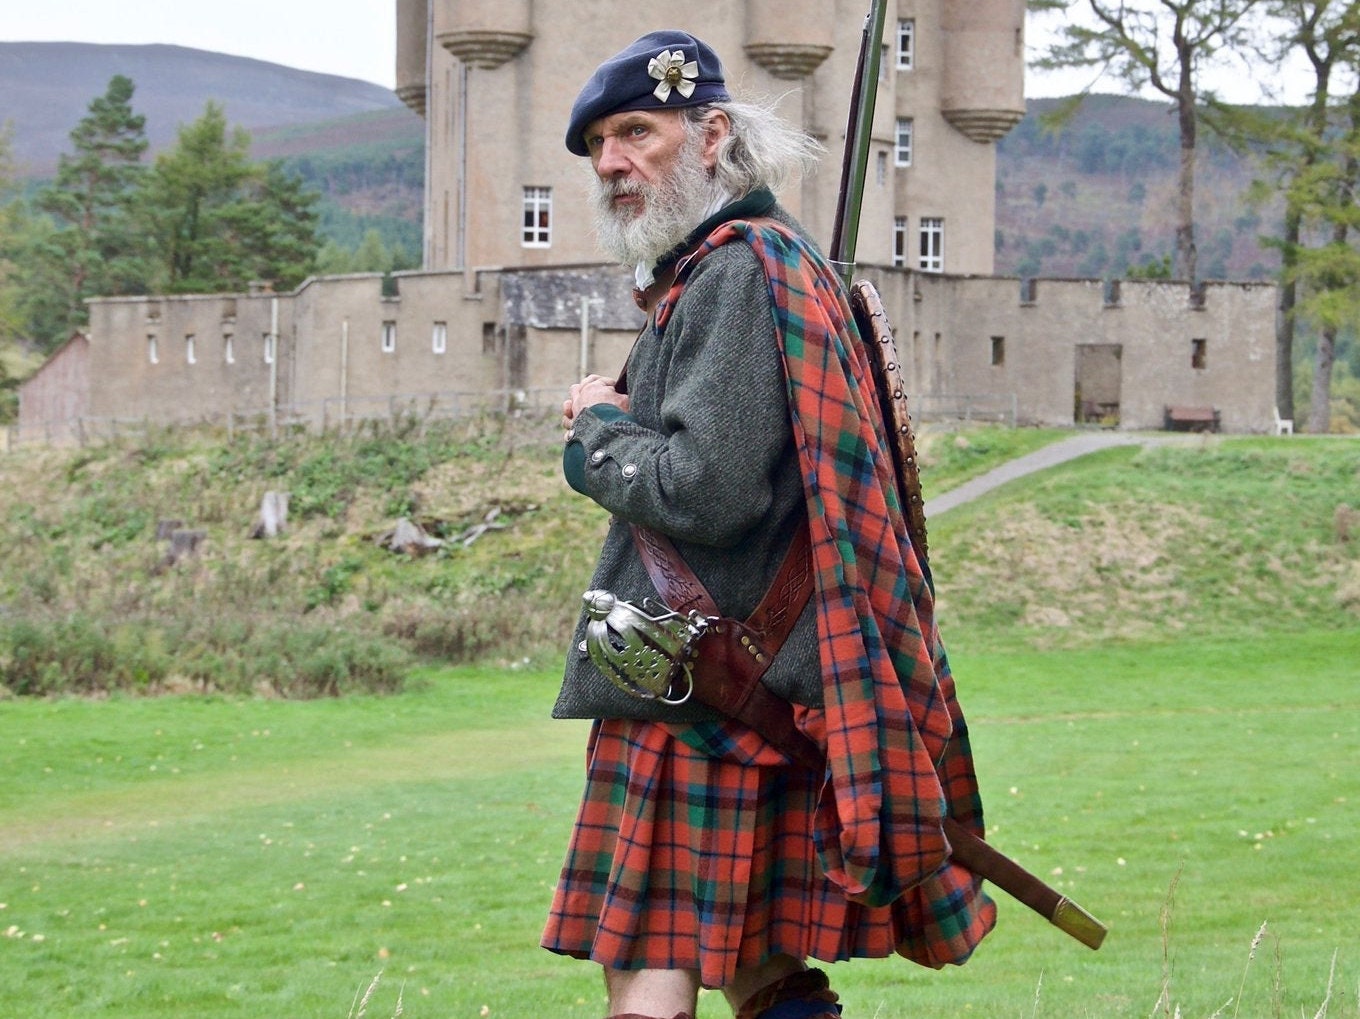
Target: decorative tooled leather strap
(733, 655)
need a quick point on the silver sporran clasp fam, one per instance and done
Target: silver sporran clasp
(645, 650)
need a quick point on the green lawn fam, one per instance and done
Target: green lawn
(252, 858)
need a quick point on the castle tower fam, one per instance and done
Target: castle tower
(789, 38)
(984, 68)
(495, 80)
(412, 52)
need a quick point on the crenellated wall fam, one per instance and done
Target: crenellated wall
(1058, 351)
(1130, 351)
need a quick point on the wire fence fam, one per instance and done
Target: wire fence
(345, 414)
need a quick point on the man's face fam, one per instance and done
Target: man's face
(636, 145)
(653, 180)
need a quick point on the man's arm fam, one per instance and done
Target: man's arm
(698, 463)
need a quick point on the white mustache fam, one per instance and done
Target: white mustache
(622, 186)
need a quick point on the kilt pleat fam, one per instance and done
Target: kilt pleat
(693, 849)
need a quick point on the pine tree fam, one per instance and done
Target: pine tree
(220, 221)
(96, 248)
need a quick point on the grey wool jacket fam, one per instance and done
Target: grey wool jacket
(704, 455)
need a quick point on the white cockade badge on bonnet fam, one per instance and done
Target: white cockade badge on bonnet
(674, 73)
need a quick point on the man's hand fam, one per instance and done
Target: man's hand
(589, 391)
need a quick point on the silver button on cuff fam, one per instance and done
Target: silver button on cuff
(629, 472)
(597, 456)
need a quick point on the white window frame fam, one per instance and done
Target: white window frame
(439, 337)
(536, 223)
(931, 249)
(899, 242)
(906, 44)
(904, 137)
(388, 338)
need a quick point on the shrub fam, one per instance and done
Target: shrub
(83, 655)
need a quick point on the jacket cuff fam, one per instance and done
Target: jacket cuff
(574, 453)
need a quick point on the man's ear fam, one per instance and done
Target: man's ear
(717, 127)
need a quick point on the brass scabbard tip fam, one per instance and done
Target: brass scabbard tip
(1071, 918)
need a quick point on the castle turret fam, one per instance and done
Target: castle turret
(789, 38)
(983, 84)
(484, 33)
(413, 41)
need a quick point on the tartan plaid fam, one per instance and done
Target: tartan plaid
(696, 847)
(683, 860)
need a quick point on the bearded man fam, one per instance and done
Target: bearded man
(742, 462)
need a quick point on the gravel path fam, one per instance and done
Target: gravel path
(1040, 459)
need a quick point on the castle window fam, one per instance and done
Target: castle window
(902, 142)
(537, 218)
(899, 257)
(439, 337)
(932, 245)
(998, 351)
(1199, 353)
(270, 347)
(151, 353)
(228, 348)
(190, 353)
(389, 337)
(881, 169)
(906, 44)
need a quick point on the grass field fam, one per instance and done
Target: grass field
(1158, 651)
(254, 858)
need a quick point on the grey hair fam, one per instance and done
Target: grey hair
(761, 148)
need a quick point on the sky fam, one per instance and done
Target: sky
(359, 37)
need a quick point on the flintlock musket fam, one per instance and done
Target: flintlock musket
(967, 849)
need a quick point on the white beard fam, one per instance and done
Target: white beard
(673, 206)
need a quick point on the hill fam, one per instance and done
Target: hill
(48, 86)
(1093, 198)
(1097, 195)
(1210, 539)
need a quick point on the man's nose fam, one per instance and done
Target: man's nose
(611, 161)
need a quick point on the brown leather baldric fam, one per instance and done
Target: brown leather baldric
(733, 654)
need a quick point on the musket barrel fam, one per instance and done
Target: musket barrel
(858, 132)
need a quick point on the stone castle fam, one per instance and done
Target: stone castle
(512, 303)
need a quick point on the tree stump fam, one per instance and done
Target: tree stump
(273, 515)
(410, 538)
(183, 545)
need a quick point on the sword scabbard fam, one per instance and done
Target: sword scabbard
(974, 854)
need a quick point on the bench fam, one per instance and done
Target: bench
(1191, 419)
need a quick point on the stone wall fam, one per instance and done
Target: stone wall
(443, 343)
